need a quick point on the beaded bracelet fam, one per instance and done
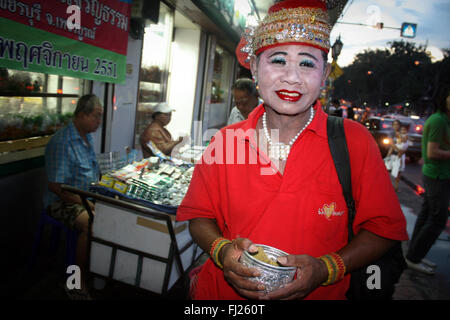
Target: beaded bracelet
(335, 266)
(215, 249)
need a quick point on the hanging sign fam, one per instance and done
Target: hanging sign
(78, 38)
(408, 30)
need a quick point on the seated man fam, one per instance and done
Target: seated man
(246, 99)
(70, 159)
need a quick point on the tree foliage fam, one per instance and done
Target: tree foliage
(403, 72)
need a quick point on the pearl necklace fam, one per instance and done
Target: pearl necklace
(280, 150)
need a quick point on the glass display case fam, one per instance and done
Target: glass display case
(219, 91)
(154, 70)
(32, 107)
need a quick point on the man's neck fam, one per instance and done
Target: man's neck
(80, 130)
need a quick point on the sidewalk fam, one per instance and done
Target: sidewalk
(414, 285)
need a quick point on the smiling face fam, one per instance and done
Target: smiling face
(290, 77)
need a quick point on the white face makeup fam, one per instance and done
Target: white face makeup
(289, 77)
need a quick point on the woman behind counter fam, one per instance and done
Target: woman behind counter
(157, 133)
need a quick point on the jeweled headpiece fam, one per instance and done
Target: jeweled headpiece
(287, 22)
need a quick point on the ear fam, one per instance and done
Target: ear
(254, 66)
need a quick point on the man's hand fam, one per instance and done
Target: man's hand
(236, 274)
(311, 272)
(179, 143)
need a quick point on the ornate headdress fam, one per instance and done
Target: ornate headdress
(287, 22)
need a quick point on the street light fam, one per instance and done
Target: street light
(335, 52)
(336, 48)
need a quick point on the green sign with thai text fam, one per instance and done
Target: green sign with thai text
(25, 48)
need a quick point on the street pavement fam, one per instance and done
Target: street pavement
(414, 285)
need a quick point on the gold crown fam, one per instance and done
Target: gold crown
(301, 25)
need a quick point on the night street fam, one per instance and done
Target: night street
(414, 285)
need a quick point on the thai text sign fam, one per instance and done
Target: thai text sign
(41, 36)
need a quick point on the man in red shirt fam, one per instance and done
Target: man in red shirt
(302, 211)
(271, 179)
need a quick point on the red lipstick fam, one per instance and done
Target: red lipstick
(291, 96)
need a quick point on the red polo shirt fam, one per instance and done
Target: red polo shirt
(302, 211)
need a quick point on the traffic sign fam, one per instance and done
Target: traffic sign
(408, 30)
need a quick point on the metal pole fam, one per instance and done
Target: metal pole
(366, 25)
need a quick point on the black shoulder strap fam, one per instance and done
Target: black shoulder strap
(339, 153)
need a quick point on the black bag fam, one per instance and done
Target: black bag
(392, 263)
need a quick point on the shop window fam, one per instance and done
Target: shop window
(154, 70)
(218, 106)
(32, 107)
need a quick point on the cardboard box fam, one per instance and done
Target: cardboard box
(126, 228)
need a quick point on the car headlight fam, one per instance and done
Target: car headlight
(386, 141)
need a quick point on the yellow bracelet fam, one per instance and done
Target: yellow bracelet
(330, 270)
(214, 244)
(335, 266)
(340, 266)
(215, 250)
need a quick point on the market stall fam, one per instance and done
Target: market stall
(135, 238)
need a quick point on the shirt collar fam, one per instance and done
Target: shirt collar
(75, 135)
(319, 123)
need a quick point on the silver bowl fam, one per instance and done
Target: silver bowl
(273, 277)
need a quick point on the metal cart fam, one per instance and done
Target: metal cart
(135, 244)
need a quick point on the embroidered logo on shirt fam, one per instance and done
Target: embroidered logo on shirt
(329, 210)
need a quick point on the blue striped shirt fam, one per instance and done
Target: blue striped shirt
(70, 160)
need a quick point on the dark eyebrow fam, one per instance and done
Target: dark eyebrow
(277, 53)
(307, 54)
(300, 54)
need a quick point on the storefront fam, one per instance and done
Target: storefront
(51, 53)
(186, 59)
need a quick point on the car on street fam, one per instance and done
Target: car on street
(382, 131)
